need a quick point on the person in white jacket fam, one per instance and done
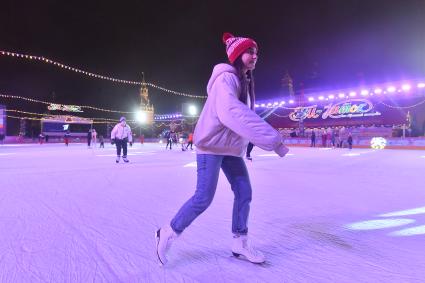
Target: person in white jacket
(120, 135)
(226, 125)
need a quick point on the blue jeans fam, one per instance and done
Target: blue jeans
(207, 178)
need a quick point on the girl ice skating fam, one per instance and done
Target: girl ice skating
(221, 136)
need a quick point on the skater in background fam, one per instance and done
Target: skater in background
(337, 137)
(174, 138)
(121, 135)
(225, 126)
(313, 139)
(341, 137)
(66, 138)
(190, 141)
(350, 141)
(169, 138)
(40, 138)
(94, 137)
(101, 141)
(248, 151)
(89, 137)
(324, 137)
(183, 140)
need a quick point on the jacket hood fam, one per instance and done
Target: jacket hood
(217, 71)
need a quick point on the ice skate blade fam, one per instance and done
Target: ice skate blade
(157, 236)
(244, 258)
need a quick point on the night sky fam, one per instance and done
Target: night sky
(322, 44)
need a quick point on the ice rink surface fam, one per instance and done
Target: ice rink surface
(71, 214)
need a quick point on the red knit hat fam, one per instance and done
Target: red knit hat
(235, 46)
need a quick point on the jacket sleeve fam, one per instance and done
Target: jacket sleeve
(240, 119)
(114, 132)
(129, 134)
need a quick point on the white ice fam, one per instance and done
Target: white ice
(73, 215)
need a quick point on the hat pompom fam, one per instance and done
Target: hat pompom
(226, 36)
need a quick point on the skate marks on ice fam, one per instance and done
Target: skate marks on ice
(316, 250)
(395, 219)
(72, 244)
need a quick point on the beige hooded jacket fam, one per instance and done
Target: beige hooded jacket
(226, 124)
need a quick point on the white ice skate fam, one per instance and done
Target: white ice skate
(164, 238)
(117, 160)
(125, 159)
(242, 246)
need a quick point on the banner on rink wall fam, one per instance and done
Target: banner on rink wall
(355, 108)
(350, 112)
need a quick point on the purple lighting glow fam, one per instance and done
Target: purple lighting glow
(384, 89)
(406, 87)
(391, 89)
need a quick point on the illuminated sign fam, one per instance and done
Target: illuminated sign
(67, 108)
(345, 109)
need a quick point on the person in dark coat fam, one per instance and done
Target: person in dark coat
(313, 139)
(350, 141)
(89, 136)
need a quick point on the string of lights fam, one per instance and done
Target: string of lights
(91, 118)
(95, 120)
(280, 116)
(275, 105)
(389, 89)
(41, 119)
(46, 115)
(93, 75)
(403, 107)
(49, 103)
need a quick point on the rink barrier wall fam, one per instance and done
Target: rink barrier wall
(364, 142)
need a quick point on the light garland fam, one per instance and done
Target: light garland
(41, 119)
(49, 103)
(95, 120)
(99, 120)
(40, 114)
(280, 116)
(89, 74)
(403, 107)
(387, 89)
